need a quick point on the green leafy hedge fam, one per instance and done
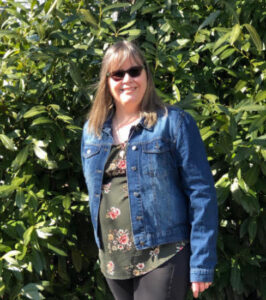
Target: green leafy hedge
(207, 57)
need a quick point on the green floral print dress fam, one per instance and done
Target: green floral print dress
(119, 259)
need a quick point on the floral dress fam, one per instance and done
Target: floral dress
(119, 258)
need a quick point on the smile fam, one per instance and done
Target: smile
(128, 89)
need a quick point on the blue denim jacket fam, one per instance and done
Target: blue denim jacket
(171, 189)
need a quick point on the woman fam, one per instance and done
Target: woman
(152, 198)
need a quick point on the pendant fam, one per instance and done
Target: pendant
(122, 153)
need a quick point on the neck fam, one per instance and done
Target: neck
(124, 117)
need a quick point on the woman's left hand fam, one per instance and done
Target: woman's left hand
(199, 287)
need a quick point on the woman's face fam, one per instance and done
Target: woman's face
(128, 92)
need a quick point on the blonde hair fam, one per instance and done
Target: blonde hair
(103, 104)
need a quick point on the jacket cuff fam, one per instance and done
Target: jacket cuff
(201, 275)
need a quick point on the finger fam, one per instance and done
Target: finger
(207, 284)
(201, 286)
(195, 289)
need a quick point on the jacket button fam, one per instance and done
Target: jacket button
(134, 148)
(88, 151)
(141, 243)
(136, 194)
(134, 168)
(139, 218)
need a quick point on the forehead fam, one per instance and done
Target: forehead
(118, 60)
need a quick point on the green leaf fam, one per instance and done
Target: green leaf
(230, 72)
(44, 232)
(176, 93)
(251, 175)
(111, 25)
(20, 200)
(4, 248)
(235, 278)
(75, 74)
(66, 202)
(6, 190)
(227, 53)
(206, 132)
(149, 9)
(195, 58)
(244, 228)
(88, 17)
(240, 85)
(235, 33)
(23, 254)
(77, 260)
(59, 139)
(261, 141)
(65, 118)
(128, 25)
(62, 269)
(31, 291)
(7, 142)
(56, 250)
(55, 108)
(263, 168)
(211, 97)
(116, 5)
(223, 188)
(52, 7)
(20, 158)
(137, 5)
(220, 50)
(252, 229)
(261, 96)
(255, 37)
(252, 107)
(8, 33)
(10, 254)
(221, 40)
(2, 287)
(131, 32)
(210, 19)
(40, 153)
(41, 120)
(36, 110)
(27, 235)
(232, 126)
(231, 10)
(38, 261)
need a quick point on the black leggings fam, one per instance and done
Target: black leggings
(170, 281)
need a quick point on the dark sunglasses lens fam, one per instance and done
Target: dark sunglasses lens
(135, 71)
(118, 75)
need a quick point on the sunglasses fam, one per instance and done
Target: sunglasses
(119, 74)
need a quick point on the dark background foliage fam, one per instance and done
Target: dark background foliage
(208, 57)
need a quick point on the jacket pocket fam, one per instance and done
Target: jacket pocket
(90, 150)
(156, 146)
(157, 159)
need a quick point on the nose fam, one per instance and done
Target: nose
(127, 78)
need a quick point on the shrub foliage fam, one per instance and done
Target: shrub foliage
(207, 57)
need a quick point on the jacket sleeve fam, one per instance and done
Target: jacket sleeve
(85, 128)
(198, 185)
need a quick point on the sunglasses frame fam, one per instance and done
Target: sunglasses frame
(128, 71)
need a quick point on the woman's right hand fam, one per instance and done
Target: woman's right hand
(199, 287)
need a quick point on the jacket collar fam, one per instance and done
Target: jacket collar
(107, 126)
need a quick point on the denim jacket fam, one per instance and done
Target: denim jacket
(171, 189)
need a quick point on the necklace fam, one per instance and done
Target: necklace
(123, 145)
(121, 131)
